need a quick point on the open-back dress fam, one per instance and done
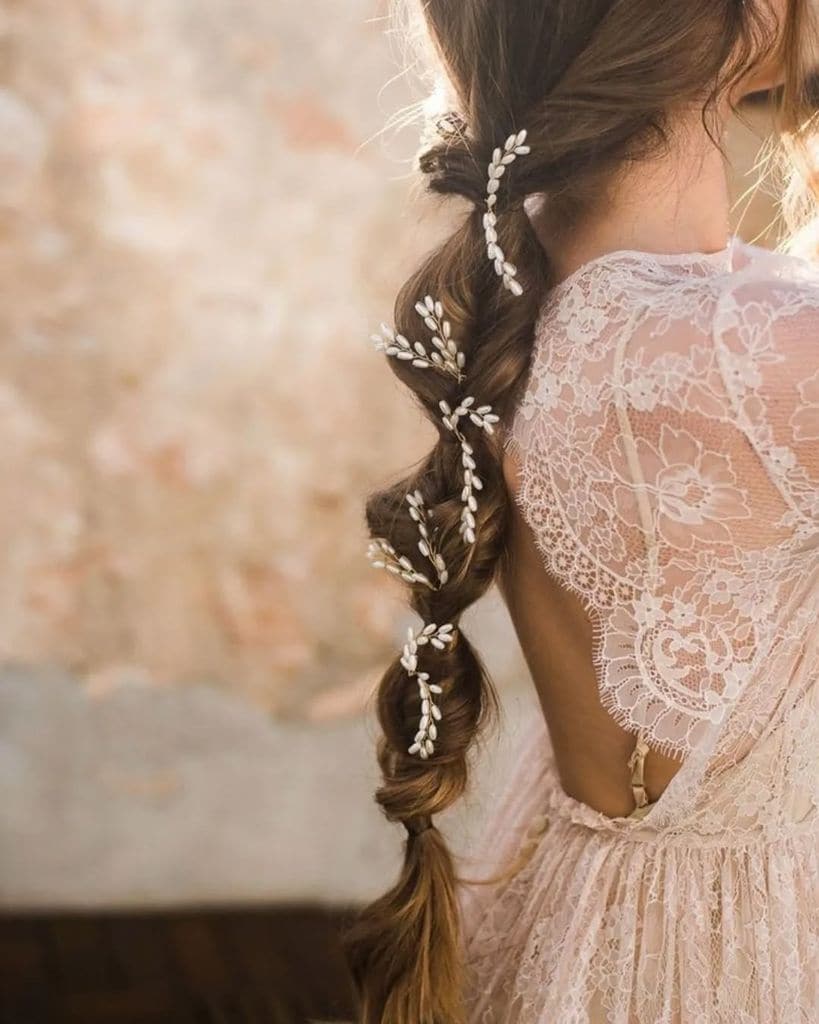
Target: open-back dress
(668, 444)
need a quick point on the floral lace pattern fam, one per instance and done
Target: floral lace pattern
(669, 471)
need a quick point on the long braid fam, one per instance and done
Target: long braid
(414, 977)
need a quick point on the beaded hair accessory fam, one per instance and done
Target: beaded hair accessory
(501, 158)
(437, 636)
(448, 359)
(443, 356)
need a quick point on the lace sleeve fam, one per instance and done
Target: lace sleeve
(669, 468)
(766, 334)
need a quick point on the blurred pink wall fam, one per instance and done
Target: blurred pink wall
(200, 228)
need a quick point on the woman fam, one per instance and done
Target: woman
(627, 405)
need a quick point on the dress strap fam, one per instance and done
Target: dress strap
(636, 764)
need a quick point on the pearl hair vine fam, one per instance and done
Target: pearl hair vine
(483, 417)
(384, 556)
(437, 636)
(445, 357)
(501, 158)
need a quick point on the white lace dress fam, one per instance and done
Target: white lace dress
(669, 445)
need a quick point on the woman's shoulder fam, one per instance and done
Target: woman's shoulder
(769, 302)
(763, 293)
(753, 322)
(613, 285)
(757, 271)
(627, 300)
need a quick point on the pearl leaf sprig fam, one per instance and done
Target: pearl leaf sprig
(420, 516)
(483, 417)
(437, 636)
(383, 555)
(501, 158)
(447, 358)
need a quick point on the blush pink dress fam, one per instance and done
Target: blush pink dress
(669, 448)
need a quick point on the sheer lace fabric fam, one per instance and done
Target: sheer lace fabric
(668, 442)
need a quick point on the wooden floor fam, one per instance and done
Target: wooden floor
(278, 966)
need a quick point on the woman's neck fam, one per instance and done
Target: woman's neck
(678, 202)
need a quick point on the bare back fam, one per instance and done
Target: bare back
(556, 636)
(632, 486)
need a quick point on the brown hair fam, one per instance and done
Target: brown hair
(593, 84)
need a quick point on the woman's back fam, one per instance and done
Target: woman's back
(557, 637)
(655, 418)
(664, 581)
(551, 444)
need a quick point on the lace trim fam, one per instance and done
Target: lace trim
(685, 261)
